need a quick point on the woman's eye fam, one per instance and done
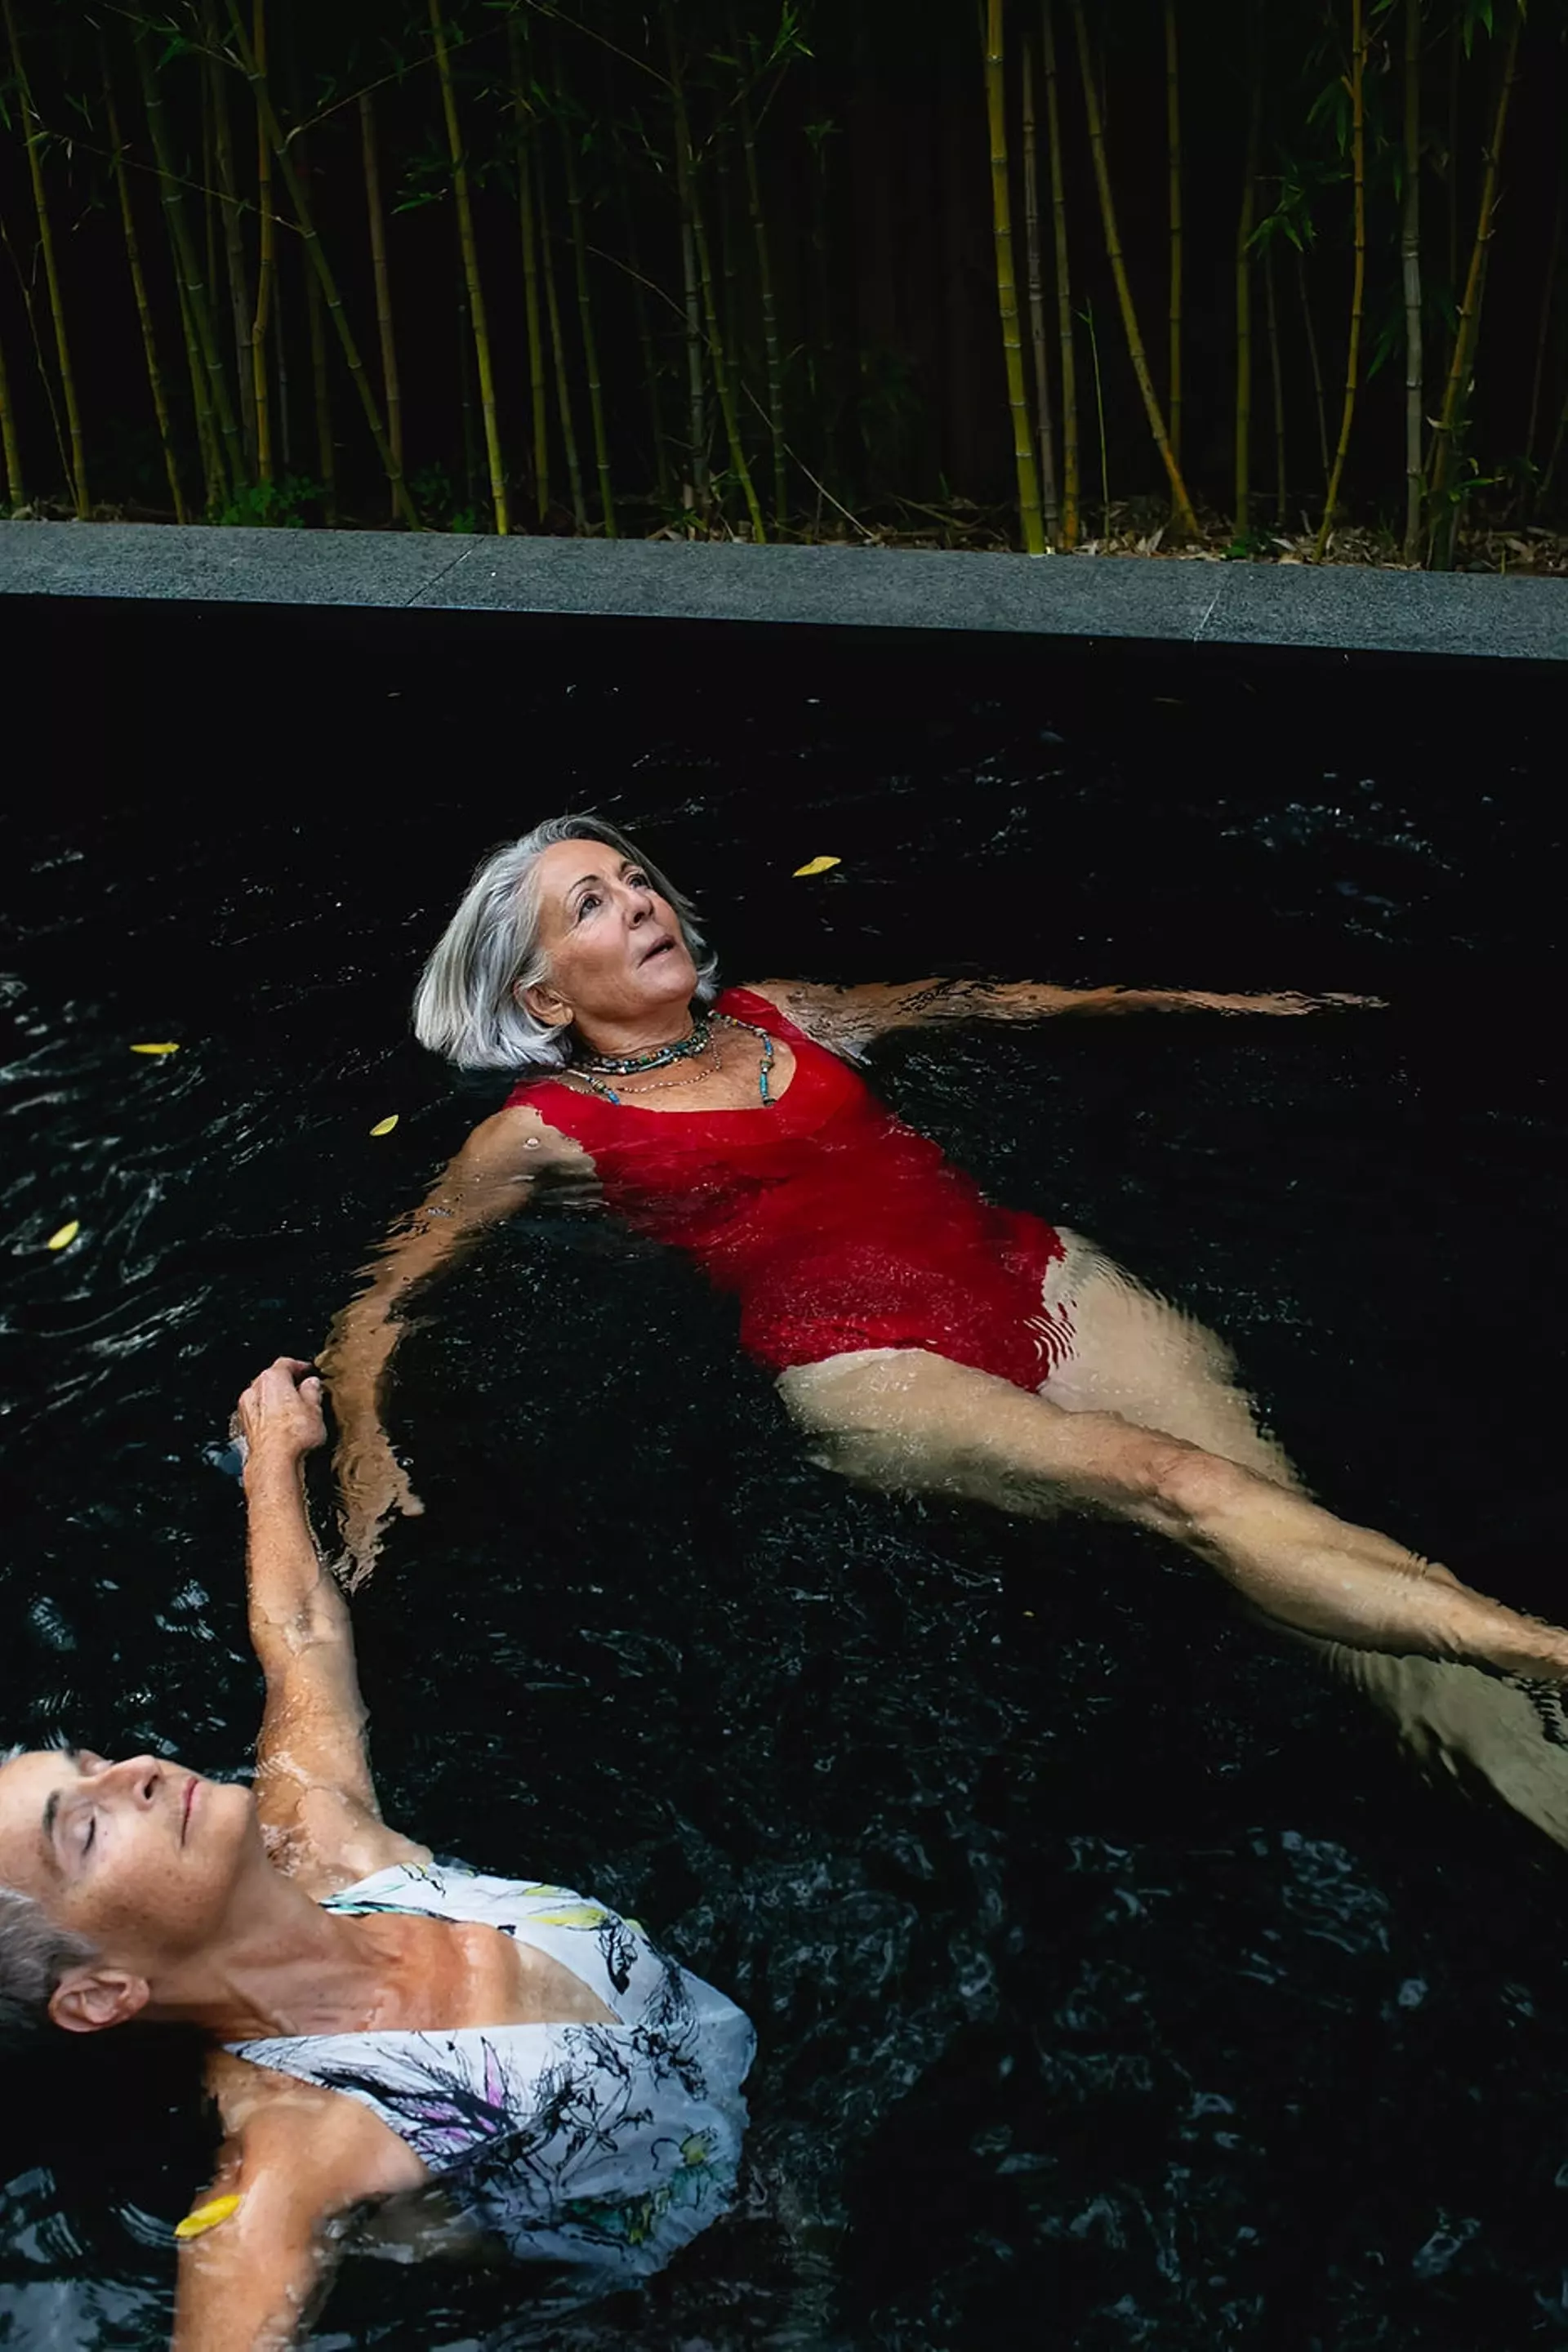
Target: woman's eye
(586, 903)
(90, 1837)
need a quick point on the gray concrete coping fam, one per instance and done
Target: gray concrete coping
(903, 589)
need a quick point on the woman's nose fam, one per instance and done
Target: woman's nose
(136, 1777)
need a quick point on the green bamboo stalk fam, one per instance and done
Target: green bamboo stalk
(236, 265)
(1186, 521)
(529, 230)
(686, 174)
(558, 353)
(300, 205)
(139, 288)
(391, 383)
(644, 337)
(1244, 282)
(1064, 287)
(46, 380)
(266, 268)
(33, 136)
(216, 487)
(1049, 500)
(1173, 164)
(1462, 367)
(321, 382)
(472, 274)
(586, 317)
(770, 347)
(214, 399)
(1410, 274)
(10, 448)
(1358, 281)
(1006, 288)
(1319, 405)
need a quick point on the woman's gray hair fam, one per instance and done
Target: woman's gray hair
(34, 1955)
(466, 1004)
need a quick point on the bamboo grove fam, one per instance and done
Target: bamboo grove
(769, 269)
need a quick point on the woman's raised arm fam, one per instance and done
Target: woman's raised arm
(492, 1176)
(849, 1018)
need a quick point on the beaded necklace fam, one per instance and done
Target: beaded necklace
(596, 1070)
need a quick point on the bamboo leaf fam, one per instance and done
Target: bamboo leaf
(384, 1126)
(64, 1236)
(815, 866)
(166, 1046)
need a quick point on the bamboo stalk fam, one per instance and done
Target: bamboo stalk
(1410, 274)
(696, 392)
(1049, 500)
(300, 205)
(471, 273)
(590, 345)
(237, 266)
(46, 380)
(558, 353)
(1319, 406)
(770, 349)
(216, 487)
(1357, 279)
(528, 230)
(1277, 380)
(1064, 286)
(1462, 367)
(320, 383)
(139, 288)
(1006, 288)
(1244, 228)
(214, 399)
(1174, 154)
(391, 383)
(685, 175)
(266, 268)
(1186, 521)
(33, 134)
(10, 448)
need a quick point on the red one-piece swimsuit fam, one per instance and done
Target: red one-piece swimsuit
(835, 1227)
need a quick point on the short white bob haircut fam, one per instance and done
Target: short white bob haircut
(469, 1005)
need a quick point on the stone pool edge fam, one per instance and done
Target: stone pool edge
(1335, 609)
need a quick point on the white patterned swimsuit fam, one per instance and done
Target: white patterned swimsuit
(604, 2146)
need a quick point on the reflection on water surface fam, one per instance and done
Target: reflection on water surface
(1108, 1966)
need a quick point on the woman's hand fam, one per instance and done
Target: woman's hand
(374, 1483)
(279, 1415)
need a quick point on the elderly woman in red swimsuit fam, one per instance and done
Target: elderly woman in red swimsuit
(923, 1338)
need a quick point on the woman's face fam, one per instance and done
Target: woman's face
(617, 956)
(141, 1858)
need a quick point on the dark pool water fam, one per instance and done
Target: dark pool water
(1116, 1983)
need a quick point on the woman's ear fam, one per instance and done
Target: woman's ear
(541, 1000)
(88, 2000)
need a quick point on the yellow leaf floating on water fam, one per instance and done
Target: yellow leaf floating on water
(814, 865)
(167, 1046)
(384, 1126)
(208, 2217)
(66, 1235)
(581, 1915)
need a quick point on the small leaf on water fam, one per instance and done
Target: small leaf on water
(208, 2217)
(168, 1047)
(384, 1126)
(814, 865)
(66, 1235)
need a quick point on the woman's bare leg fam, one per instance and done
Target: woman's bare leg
(903, 1418)
(1141, 1357)
(1142, 1364)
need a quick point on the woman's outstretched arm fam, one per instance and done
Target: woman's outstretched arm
(846, 1018)
(491, 1177)
(314, 1793)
